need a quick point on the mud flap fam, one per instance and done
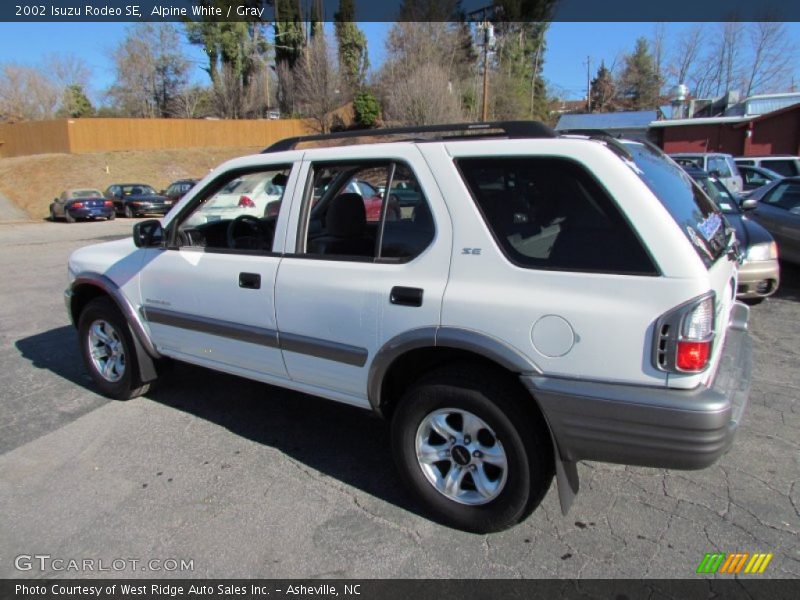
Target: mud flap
(568, 483)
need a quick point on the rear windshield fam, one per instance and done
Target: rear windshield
(698, 217)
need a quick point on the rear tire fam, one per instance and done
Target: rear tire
(108, 351)
(52, 215)
(493, 463)
(128, 212)
(111, 217)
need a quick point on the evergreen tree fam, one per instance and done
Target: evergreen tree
(353, 57)
(519, 90)
(602, 90)
(366, 109)
(75, 103)
(640, 85)
(289, 45)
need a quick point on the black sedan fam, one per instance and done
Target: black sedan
(74, 205)
(759, 274)
(178, 189)
(756, 177)
(137, 200)
(778, 210)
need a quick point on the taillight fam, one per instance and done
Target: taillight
(77, 205)
(245, 202)
(685, 337)
(108, 203)
(692, 356)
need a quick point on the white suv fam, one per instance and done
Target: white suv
(545, 300)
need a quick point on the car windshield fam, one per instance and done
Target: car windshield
(717, 191)
(698, 217)
(86, 194)
(138, 190)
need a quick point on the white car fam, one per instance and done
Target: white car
(546, 300)
(251, 194)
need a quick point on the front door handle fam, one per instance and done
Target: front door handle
(406, 296)
(250, 281)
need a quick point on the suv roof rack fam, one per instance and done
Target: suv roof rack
(511, 129)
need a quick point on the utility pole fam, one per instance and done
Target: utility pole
(485, 112)
(487, 29)
(588, 84)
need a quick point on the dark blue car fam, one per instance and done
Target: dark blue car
(74, 205)
(137, 200)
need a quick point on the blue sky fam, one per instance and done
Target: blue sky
(568, 45)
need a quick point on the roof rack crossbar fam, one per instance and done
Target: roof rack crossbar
(512, 129)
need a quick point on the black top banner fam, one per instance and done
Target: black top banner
(403, 10)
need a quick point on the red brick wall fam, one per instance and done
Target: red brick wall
(777, 135)
(703, 138)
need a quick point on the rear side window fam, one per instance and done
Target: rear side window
(550, 213)
(698, 217)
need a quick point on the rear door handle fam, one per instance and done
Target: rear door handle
(250, 281)
(406, 296)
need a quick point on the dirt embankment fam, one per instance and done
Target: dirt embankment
(31, 182)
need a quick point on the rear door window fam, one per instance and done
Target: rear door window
(550, 213)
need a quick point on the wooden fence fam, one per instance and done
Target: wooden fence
(83, 136)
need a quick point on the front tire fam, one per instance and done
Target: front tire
(128, 212)
(467, 447)
(108, 351)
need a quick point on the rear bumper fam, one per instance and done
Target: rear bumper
(92, 213)
(652, 427)
(758, 279)
(150, 210)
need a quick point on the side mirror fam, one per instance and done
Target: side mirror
(148, 234)
(749, 203)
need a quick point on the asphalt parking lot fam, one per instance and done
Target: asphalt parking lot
(246, 480)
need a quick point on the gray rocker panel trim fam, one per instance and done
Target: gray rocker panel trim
(442, 337)
(131, 315)
(227, 329)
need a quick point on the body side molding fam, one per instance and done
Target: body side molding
(228, 329)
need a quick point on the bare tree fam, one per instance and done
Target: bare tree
(659, 47)
(433, 56)
(318, 83)
(26, 94)
(773, 57)
(150, 70)
(683, 59)
(67, 70)
(190, 101)
(425, 98)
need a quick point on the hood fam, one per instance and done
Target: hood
(119, 260)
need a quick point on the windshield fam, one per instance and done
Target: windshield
(698, 217)
(717, 191)
(138, 190)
